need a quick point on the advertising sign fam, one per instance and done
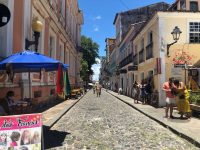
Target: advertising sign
(21, 132)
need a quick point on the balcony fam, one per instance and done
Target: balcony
(126, 60)
(149, 51)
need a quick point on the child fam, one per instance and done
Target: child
(3, 139)
(14, 138)
(26, 137)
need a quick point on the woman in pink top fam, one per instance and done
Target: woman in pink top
(170, 98)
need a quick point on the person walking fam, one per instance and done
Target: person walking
(98, 90)
(136, 91)
(182, 99)
(170, 98)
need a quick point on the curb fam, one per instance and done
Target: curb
(182, 135)
(57, 117)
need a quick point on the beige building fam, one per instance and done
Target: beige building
(59, 39)
(142, 53)
(151, 48)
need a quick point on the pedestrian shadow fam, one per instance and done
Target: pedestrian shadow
(53, 138)
(179, 120)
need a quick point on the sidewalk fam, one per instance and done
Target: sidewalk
(52, 115)
(188, 129)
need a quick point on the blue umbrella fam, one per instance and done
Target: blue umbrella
(29, 61)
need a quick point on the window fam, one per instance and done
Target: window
(52, 47)
(194, 32)
(182, 5)
(150, 37)
(194, 6)
(37, 94)
(150, 74)
(149, 51)
(141, 56)
(142, 44)
(62, 8)
(62, 53)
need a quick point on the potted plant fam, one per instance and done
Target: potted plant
(195, 99)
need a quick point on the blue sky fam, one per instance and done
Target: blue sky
(99, 16)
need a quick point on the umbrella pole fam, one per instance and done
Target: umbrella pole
(29, 80)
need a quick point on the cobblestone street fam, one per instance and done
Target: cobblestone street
(107, 123)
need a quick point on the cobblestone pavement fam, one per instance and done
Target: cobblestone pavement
(106, 123)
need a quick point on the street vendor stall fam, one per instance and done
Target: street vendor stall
(29, 61)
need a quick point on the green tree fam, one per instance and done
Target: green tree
(84, 70)
(90, 51)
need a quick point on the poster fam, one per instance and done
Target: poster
(21, 132)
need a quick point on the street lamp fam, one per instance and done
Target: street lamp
(37, 28)
(176, 34)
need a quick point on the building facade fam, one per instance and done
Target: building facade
(142, 51)
(59, 39)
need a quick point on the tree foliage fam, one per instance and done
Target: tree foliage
(84, 66)
(90, 51)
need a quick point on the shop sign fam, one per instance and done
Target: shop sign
(179, 65)
(21, 131)
(158, 65)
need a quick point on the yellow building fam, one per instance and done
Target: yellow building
(149, 50)
(151, 47)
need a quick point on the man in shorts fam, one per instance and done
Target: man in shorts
(170, 98)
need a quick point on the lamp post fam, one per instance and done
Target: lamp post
(37, 28)
(176, 34)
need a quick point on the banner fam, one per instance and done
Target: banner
(21, 132)
(158, 65)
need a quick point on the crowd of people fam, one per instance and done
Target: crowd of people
(141, 92)
(176, 95)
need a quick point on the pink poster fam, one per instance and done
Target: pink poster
(21, 132)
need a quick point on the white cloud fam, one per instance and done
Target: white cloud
(97, 17)
(96, 29)
(96, 70)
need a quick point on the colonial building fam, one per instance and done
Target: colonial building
(128, 24)
(162, 46)
(59, 39)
